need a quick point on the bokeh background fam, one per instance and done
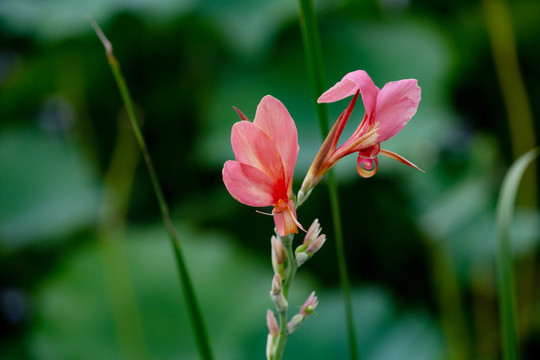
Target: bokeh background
(86, 267)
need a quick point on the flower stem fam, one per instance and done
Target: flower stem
(313, 52)
(194, 311)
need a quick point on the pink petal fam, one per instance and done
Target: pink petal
(274, 120)
(352, 82)
(253, 147)
(367, 167)
(247, 184)
(397, 102)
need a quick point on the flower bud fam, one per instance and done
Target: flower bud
(316, 245)
(272, 324)
(276, 294)
(295, 323)
(279, 255)
(307, 309)
(313, 232)
(310, 304)
(313, 241)
(301, 258)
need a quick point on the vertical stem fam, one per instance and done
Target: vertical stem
(313, 52)
(194, 311)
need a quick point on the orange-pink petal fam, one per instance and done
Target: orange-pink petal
(248, 184)
(349, 85)
(253, 147)
(275, 121)
(396, 104)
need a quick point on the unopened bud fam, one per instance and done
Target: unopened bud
(307, 309)
(310, 305)
(276, 294)
(313, 232)
(305, 191)
(272, 324)
(295, 323)
(301, 258)
(313, 241)
(279, 255)
(316, 245)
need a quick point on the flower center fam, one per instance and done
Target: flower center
(280, 206)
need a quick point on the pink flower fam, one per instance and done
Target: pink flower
(265, 153)
(387, 111)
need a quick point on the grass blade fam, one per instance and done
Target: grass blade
(194, 311)
(505, 211)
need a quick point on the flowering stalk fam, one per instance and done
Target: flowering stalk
(278, 334)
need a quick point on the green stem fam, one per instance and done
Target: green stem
(185, 281)
(313, 52)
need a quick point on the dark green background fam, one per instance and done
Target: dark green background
(77, 285)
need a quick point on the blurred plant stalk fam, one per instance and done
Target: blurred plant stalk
(117, 184)
(520, 120)
(199, 328)
(521, 126)
(313, 52)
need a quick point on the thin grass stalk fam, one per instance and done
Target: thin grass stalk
(506, 288)
(313, 53)
(117, 185)
(521, 132)
(194, 311)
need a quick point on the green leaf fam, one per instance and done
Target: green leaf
(505, 212)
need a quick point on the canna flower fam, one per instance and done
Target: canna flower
(387, 111)
(265, 152)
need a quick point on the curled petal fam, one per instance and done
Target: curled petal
(247, 184)
(367, 167)
(397, 102)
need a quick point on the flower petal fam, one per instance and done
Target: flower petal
(401, 159)
(397, 102)
(367, 167)
(352, 82)
(253, 147)
(248, 184)
(285, 219)
(273, 119)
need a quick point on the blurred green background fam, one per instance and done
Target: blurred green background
(87, 271)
